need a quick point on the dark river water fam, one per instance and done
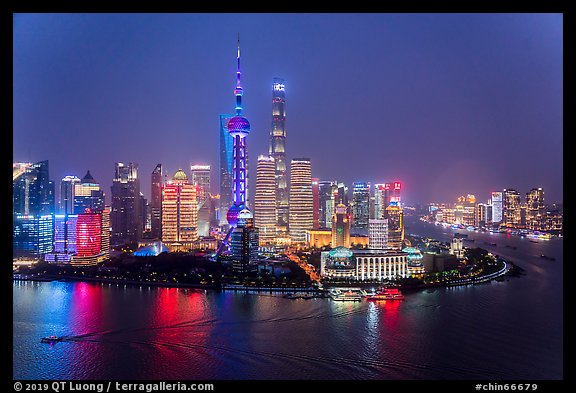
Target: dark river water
(499, 330)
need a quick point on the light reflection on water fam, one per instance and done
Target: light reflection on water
(509, 330)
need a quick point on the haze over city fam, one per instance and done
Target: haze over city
(449, 104)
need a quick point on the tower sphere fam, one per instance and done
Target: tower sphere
(238, 125)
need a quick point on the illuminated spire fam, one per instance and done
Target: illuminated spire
(238, 91)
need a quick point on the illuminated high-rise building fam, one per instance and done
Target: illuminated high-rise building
(67, 186)
(156, 203)
(496, 202)
(88, 234)
(315, 203)
(226, 168)
(326, 191)
(341, 195)
(278, 152)
(340, 227)
(510, 208)
(200, 178)
(179, 211)
(300, 218)
(360, 204)
(379, 201)
(377, 234)
(32, 236)
(32, 189)
(535, 209)
(126, 209)
(88, 195)
(395, 216)
(265, 200)
(244, 240)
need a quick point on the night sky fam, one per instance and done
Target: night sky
(449, 104)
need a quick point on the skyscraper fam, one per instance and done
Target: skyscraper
(300, 218)
(326, 191)
(510, 208)
(156, 203)
(340, 227)
(126, 214)
(496, 202)
(535, 209)
(200, 178)
(379, 200)
(265, 200)
(244, 240)
(395, 217)
(226, 168)
(179, 211)
(32, 190)
(67, 186)
(315, 203)
(88, 195)
(278, 152)
(32, 236)
(92, 237)
(360, 204)
(378, 233)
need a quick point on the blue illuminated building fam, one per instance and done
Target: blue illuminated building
(226, 167)
(32, 190)
(32, 236)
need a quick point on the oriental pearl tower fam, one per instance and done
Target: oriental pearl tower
(238, 128)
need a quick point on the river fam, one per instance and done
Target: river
(499, 330)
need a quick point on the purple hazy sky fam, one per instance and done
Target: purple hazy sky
(449, 104)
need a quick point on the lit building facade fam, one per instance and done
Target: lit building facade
(32, 236)
(200, 178)
(226, 168)
(326, 192)
(126, 210)
(535, 209)
(88, 195)
(301, 201)
(511, 208)
(379, 201)
(67, 187)
(92, 238)
(395, 217)
(360, 204)
(179, 210)
(341, 227)
(265, 200)
(32, 190)
(278, 152)
(156, 203)
(315, 203)
(364, 265)
(244, 242)
(496, 202)
(378, 234)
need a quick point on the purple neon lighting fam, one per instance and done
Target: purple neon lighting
(238, 128)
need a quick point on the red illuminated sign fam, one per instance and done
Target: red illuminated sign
(394, 199)
(387, 186)
(397, 185)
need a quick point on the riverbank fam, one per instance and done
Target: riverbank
(512, 270)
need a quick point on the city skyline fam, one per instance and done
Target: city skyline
(496, 86)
